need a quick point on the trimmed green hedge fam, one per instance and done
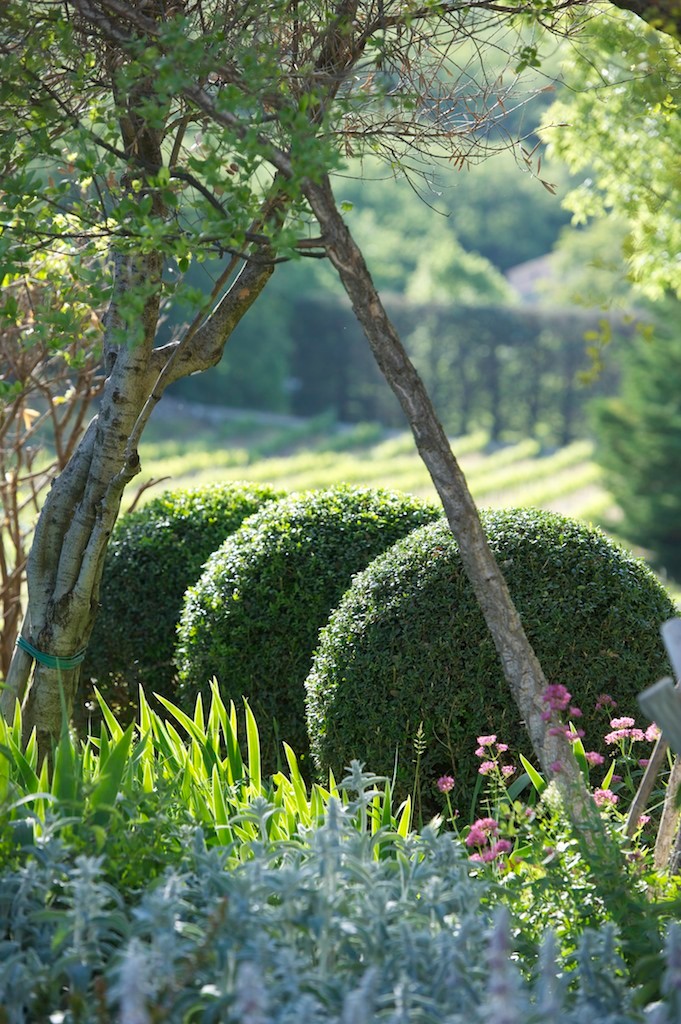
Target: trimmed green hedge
(154, 554)
(253, 618)
(408, 646)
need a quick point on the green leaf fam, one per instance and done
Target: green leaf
(66, 777)
(103, 796)
(386, 814)
(114, 728)
(580, 753)
(196, 732)
(404, 819)
(29, 778)
(536, 779)
(518, 786)
(605, 784)
(220, 813)
(299, 788)
(253, 747)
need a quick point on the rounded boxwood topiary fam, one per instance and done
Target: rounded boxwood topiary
(154, 554)
(253, 618)
(406, 667)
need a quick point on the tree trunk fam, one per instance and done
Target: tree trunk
(67, 556)
(520, 665)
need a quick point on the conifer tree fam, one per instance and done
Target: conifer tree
(639, 440)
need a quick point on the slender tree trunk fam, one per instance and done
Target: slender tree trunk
(520, 665)
(65, 563)
(67, 556)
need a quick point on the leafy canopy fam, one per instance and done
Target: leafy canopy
(620, 131)
(159, 129)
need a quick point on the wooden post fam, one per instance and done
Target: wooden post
(661, 702)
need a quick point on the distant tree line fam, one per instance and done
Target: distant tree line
(523, 370)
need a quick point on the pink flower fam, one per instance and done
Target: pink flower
(486, 767)
(621, 723)
(506, 770)
(500, 847)
(643, 820)
(502, 748)
(480, 831)
(605, 798)
(605, 701)
(557, 697)
(572, 737)
(475, 837)
(575, 712)
(445, 784)
(624, 733)
(643, 762)
(653, 733)
(593, 757)
(556, 766)
(486, 741)
(617, 778)
(481, 752)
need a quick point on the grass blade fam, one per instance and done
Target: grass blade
(235, 762)
(220, 814)
(114, 728)
(298, 783)
(253, 746)
(106, 790)
(605, 784)
(195, 731)
(404, 819)
(67, 773)
(580, 753)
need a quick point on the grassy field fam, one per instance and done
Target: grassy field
(184, 448)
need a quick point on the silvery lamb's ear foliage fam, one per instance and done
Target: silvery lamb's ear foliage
(315, 928)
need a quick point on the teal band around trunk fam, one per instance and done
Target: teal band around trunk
(51, 660)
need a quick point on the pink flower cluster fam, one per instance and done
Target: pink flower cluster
(605, 701)
(445, 783)
(605, 798)
(483, 835)
(558, 699)
(625, 729)
(484, 749)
